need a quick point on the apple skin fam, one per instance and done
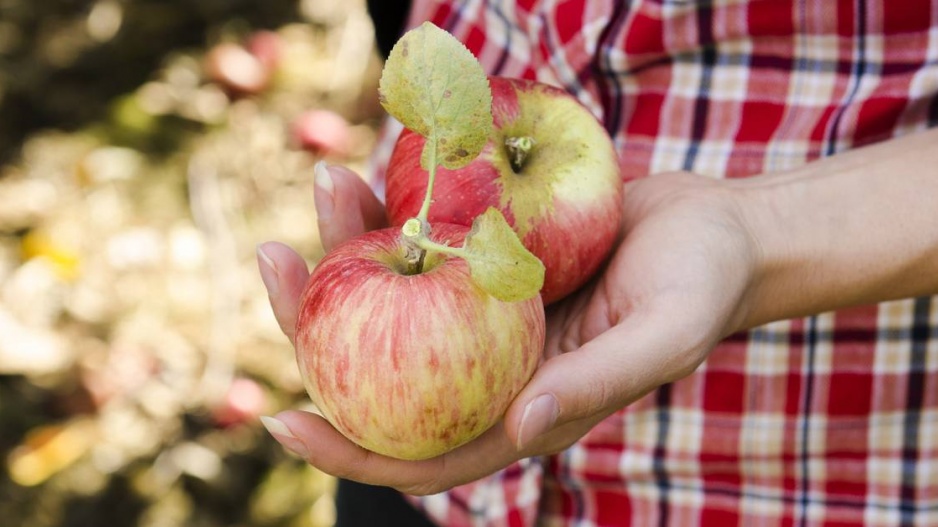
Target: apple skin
(322, 132)
(236, 69)
(411, 366)
(564, 203)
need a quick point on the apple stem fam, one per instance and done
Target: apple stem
(414, 230)
(415, 258)
(416, 234)
(519, 148)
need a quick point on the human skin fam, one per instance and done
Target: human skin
(699, 259)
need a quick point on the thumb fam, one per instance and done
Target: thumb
(601, 377)
(345, 205)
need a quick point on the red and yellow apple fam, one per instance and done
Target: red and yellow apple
(411, 364)
(322, 132)
(549, 166)
(236, 70)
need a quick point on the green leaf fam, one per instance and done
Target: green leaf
(435, 86)
(498, 262)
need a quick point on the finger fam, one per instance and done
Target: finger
(315, 440)
(572, 321)
(345, 205)
(605, 374)
(284, 273)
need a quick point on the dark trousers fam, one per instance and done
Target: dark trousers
(360, 505)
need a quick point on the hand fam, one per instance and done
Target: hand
(675, 286)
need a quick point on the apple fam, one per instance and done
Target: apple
(236, 69)
(267, 47)
(322, 132)
(243, 401)
(549, 166)
(411, 364)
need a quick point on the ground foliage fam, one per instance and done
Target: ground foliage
(136, 344)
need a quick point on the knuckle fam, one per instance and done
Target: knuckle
(569, 342)
(422, 488)
(436, 479)
(348, 472)
(597, 397)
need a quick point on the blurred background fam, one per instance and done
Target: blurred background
(146, 148)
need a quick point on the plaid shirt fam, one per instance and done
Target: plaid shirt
(829, 420)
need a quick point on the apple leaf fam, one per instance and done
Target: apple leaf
(498, 262)
(435, 87)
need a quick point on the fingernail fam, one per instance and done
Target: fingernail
(268, 271)
(284, 436)
(539, 416)
(324, 191)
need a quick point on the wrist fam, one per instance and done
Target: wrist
(856, 228)
(765, 205)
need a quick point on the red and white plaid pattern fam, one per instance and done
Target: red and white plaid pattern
(823, 421)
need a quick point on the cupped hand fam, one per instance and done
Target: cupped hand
(676, 284)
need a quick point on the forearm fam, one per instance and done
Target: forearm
(852, 229)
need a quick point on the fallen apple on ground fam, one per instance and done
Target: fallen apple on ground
(411, 364)
(236, 69)
(549, 166)
(322, 132)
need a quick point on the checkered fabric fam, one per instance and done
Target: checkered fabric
(824, 421)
